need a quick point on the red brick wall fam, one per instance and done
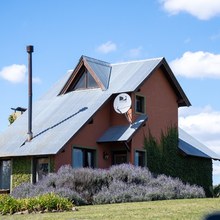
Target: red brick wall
(161, 108)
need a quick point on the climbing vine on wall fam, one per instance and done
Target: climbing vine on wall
(165, 157)
(21, 171)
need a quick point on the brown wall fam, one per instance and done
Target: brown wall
(161, 103)
(162, 111)
(161, 108)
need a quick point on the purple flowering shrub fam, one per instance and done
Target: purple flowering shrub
(120, 183)
(130, 174)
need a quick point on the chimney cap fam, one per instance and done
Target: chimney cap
(30, 48)
(20, 109)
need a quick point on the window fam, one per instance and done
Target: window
(139, 159)
(41, 168)
(84, 81)
(83, 158)
(140, 104)
(5, 174)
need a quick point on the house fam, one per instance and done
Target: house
(75, 121)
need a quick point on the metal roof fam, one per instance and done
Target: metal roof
(126, 77)
(55, 121)
(121, 133)
(57, 118)
(192, 147)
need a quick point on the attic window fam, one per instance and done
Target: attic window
(83, 81)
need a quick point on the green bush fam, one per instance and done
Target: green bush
(21, 172)
(216, 191)
(44, 203)
(9, 205)
(164, 157)
(51, 201)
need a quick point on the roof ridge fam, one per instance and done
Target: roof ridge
(94, 60)
(137, 61)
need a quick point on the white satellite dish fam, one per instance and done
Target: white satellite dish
(122, 103)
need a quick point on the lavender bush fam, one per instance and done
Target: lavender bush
(121, 183)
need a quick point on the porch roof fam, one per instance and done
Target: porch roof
(193, 147)
(122, 133)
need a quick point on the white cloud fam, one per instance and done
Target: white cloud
(135, 52)
(107, 47)
(197, 65)
(216, 168)
(14, 73)
(202, 9)
(203, 124)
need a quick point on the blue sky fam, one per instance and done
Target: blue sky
(185, 32)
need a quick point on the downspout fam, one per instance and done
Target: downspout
(30, 50)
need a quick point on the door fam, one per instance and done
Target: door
(119, 157)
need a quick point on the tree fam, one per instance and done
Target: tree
(12, 118)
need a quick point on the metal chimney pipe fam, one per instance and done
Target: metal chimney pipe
(30, 50)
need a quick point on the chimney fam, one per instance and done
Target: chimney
(30, 50)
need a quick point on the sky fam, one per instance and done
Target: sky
(185, 32)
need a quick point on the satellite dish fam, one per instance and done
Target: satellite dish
(122, 103)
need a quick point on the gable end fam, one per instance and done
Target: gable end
(96, 71)
(182, 98)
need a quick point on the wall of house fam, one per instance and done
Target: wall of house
(87, 137)
(161, 103)
(161, 108)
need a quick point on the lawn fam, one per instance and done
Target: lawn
(167, 209)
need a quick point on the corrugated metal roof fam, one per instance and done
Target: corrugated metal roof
(122, 132)
(126, 77)
(56, 118)
(193, 147)
(55, 121)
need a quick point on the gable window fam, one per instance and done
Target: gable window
(83, 157)
(139, 104)
(5, 174)
(84, 81)
(139, 159)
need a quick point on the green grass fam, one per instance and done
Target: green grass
(167, 209)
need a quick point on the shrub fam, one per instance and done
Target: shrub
(51, 201)
(9, 205)
(162, 187)
(164, 157)
(48, 202)
(119, 191)
(121, 183)
(130, 174)
(73, 196)
(216, 191)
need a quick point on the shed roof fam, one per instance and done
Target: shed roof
(121, 133)
(192, 147)
(57, 117)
